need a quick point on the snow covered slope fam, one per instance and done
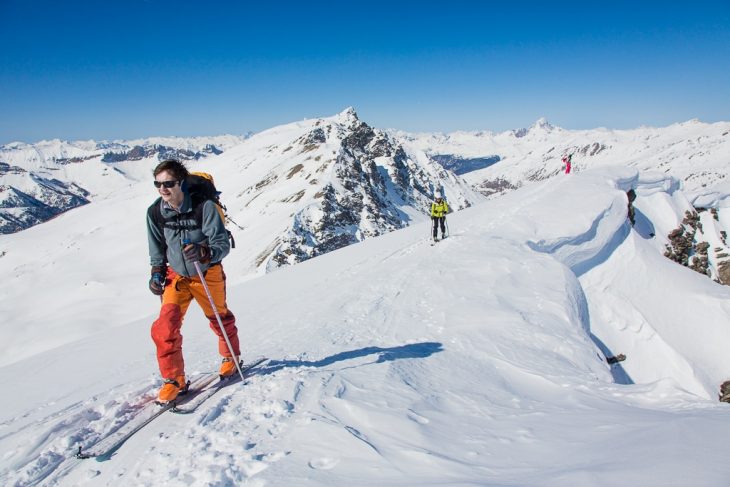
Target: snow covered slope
(477, 361)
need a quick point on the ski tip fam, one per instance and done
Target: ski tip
(181, 411)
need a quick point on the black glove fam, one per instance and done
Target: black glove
(193, 252)
(157, 280)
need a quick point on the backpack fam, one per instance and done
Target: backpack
(201, 188)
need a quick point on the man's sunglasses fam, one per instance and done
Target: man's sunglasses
(167, 184)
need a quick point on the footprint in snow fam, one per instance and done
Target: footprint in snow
(417, 417)
(324, 463)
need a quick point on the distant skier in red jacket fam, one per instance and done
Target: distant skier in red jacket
(567, 162)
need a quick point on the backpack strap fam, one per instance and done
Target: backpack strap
(198, 215)
(201, 188)
(155, 214)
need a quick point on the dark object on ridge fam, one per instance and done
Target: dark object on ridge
(725, 391)
(618, 358)
(631, 213)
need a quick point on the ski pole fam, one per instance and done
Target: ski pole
(218, 317)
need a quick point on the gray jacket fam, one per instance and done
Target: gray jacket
(213, 234)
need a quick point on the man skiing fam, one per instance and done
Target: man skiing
(567, 162)
(190, 234)
(439, 209)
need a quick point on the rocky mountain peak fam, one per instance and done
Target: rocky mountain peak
(540, 125)
(543, 124)
(348, 116)
(348, 182)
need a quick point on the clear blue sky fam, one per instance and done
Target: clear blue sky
(125, 69)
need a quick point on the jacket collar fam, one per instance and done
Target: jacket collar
(186, 206)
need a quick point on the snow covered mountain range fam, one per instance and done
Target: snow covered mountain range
(696, 153)
(306, 188)
(42, 180)
(294, 191)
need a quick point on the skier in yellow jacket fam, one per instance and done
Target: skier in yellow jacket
(439, 209)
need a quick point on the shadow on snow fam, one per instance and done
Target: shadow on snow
(413, 350)
(620, 376)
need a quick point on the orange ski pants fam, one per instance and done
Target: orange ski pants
(179, 292)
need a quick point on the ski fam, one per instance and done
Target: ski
(107, 446)
(204, 386)
(194, 403)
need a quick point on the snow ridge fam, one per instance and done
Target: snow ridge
(398, 363)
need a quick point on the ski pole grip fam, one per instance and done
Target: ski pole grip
(187, 242)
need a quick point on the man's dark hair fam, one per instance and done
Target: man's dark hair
(175, 167)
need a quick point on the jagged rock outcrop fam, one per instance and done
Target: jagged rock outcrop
(725, 391)
(20, 210)
(495, 187)
(370, 179)
(700, 262)
(722, 259)
(681, 239)
(162, 152)
(6, 168)
(679, 247)
(72, 160)
(591, 149)
(687, 247)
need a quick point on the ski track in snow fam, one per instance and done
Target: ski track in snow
(59, 435)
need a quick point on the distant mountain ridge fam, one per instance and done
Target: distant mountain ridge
(42, 180)
(696, 153)
(306, 188)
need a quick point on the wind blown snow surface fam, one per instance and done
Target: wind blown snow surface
(476, 361)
